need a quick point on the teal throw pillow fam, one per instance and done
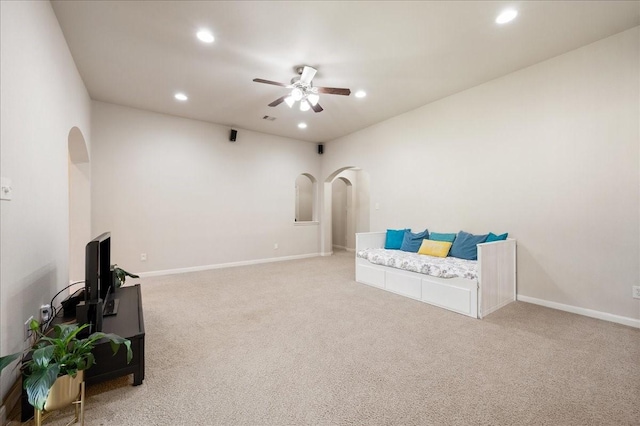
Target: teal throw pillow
(466, 245)
(394, 239)
(435, 236)
(494, 237)
(411, 242)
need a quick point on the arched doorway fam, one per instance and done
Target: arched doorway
(341, 209)
(79, 202)
(356, 208)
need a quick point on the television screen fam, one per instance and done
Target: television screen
(98, 268)
(98, 279)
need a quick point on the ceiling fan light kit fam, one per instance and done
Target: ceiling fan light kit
(303, 91)
(313, 98)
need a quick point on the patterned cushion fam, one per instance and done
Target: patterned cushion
(442, 267)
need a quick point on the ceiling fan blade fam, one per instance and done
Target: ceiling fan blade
(334, 91)
(307, 75)
(316, 107)
(278, 101)
(275, 83)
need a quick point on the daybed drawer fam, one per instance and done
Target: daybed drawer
(447, 296)
(370, 275)
(403, 283)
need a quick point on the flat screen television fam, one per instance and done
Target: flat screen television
(98, 278)
(99, 285)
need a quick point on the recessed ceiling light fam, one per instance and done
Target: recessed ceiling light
(506, 16)
(302, 125)
(360, 94)
(205, 36)
(180, 96)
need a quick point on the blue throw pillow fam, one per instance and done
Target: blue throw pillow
(394, 239)
(494, 237)
(411, 242)
(442, 237)
(465, 245)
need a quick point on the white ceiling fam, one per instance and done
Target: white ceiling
(403, 54)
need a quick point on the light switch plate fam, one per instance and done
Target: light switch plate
(6, 192)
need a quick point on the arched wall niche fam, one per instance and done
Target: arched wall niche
(78, 152)
(306, 198)
(352, 214)
(79, 169)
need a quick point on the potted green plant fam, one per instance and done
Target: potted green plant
(63, 354)
(121, 275)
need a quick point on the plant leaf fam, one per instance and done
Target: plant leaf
(116, 341)
(6, 360)
(38, 384)
(42, 356)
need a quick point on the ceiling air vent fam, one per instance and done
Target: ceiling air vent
(268, 118)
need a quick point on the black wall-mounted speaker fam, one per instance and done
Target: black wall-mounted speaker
(233, 135)
(320, 149)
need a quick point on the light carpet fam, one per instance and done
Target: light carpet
(301, 343)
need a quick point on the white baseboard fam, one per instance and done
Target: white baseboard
(631, 322)
(226, 265)
(344, 248)
(326, 253)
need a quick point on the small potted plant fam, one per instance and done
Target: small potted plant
(58, 359)
(121, 275)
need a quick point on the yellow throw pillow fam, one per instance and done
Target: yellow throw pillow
(435, 248)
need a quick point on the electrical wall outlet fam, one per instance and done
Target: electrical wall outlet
(27, 329)
(45, 313)
(6, 191)
(275, 246)
(143, 257)
(636, 292)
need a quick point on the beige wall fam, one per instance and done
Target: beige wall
(179, 191)
(549, 153)
(43, 98)
(79, 204)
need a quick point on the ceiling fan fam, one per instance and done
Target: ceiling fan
(303, 91)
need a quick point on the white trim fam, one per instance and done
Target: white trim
(631, 322)
(327, 253)
(344, 248)
(225, 265)
(306, 223)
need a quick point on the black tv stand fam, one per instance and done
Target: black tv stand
(129, 323)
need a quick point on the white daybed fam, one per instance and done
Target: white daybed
(494, 288)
